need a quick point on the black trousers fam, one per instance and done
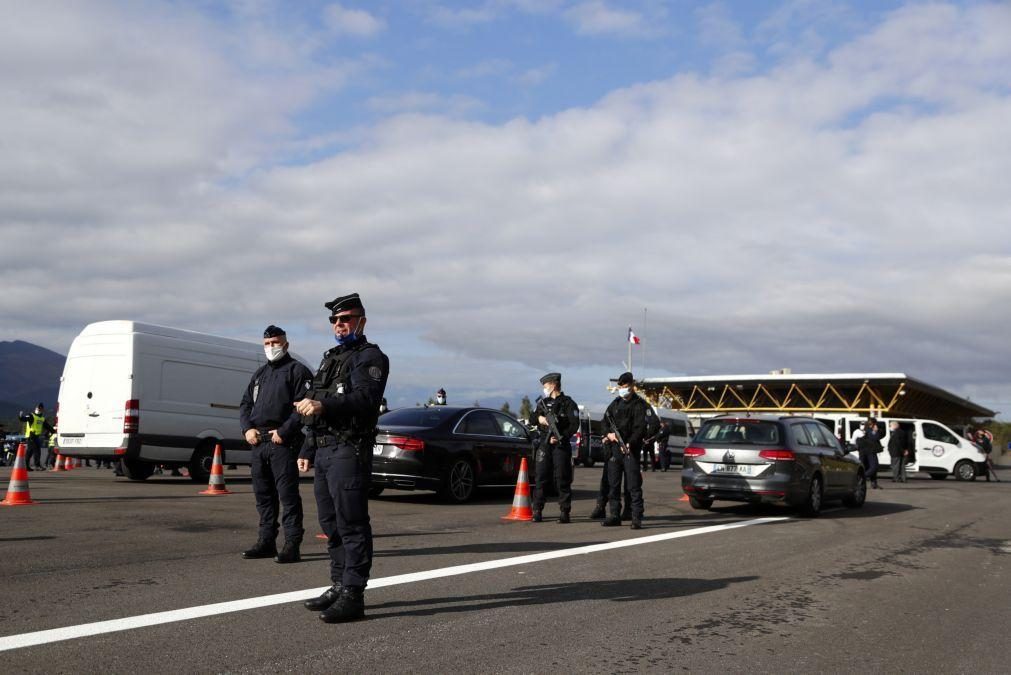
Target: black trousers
(664, 457)
(870, 462)
(34, 450)
(342, 499)
(627, 467)
(604, 494)
(649, 457)
(553, 461)
(275, 483)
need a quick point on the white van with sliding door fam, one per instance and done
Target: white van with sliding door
(939, 451)
(152, 395)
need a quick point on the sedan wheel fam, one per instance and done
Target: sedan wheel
(812, 507)
(459, 486)
(856, 499)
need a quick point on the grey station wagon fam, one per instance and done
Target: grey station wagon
(770, 459)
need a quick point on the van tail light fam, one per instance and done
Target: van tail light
(56, 416)
(131, 417)
(692, 451)
(778, 455)
(407, 443)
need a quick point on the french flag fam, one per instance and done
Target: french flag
(632, 337)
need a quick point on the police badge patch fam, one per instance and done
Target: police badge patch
(375, 372)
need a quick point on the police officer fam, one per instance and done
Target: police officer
(558, 418)
(35, 426)
(440, 397)
(274, 430)
(626, 418)
(341, 409)
(662, 437)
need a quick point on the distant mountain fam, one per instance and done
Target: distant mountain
(28, 374)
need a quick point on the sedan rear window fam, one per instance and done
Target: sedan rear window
(741, 431)
(415, 417)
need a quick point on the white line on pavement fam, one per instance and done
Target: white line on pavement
(157, 618)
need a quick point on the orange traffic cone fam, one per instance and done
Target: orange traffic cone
(684, 498)
(323, 537)
(17, 491)
(68, 463)
(216, 485)
(521, 509)
(58, 464)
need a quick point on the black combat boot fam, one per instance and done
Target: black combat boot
(350, 606)
(290, 553)
(324, 601)
(537, 516)
(636, 524)
(262, 549)
(598, 512)
(612, 520)
(564, 518)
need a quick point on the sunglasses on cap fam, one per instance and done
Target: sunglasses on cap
(343, 318)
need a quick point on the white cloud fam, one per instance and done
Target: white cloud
(355, 22)
(843, 213)
(533, 77)
(597, 17)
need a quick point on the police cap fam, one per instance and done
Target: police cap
(552, 377)
(344, 303)
(273, 331)
(625, 378)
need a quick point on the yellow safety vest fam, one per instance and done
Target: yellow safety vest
(34, 426)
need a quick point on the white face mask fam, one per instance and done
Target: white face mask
(441, 400)
(624, 392)
(547, 392)
(273, 352)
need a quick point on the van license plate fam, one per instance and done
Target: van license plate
(70, 440)
(377, 449)
(742, 469)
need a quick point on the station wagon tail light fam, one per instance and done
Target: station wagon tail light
(778, 455)
(131, 417)
(692, 451)
(407, 443)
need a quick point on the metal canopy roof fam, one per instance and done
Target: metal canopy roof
(857, 393)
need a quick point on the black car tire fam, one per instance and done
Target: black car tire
(965, 470)
(938, 476)
(700, 504)
(201, 461)
(137, 470)
(815, 496)
(460, 481)
(856, 499)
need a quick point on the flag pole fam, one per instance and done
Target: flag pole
(628, 339)
(645, 341)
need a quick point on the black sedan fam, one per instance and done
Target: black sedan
(450, 450)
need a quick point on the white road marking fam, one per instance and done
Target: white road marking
(132, 622)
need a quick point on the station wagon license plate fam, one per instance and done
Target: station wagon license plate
(740, 469)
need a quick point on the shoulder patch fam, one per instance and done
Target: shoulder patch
(375, 372)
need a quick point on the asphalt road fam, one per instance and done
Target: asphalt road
(916, 581)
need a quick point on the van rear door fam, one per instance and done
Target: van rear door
(93, 396)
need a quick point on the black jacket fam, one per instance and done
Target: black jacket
(566, 414)
(898, 443)
(869, 443)
(630, 417)
(270, 397)
(350, 383)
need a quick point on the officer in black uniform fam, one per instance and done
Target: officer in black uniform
(340, 412)
(274, 430)
(554, 452)
(627, 418)
(662, 437)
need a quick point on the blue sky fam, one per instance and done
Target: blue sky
(812, 184)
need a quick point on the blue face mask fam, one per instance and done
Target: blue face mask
(345, 340)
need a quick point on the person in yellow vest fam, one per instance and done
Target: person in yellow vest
(35, 426)
(51, 454)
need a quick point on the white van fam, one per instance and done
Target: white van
(152, 395)
(940, 452)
